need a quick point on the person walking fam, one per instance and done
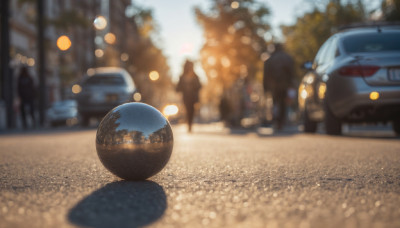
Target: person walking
(26, 93)
(278, 78)
(189, 85)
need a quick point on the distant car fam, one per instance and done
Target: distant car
(63, 113)
(355, 77)
(102, 90)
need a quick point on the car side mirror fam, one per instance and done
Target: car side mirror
(307, 65)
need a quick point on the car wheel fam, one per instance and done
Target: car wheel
(310, 126)
(396, 126)
(333, 125)
(85, 120)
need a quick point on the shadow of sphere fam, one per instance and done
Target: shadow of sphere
(121, 204)
(134, 141)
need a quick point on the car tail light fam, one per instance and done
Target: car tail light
(358, 71)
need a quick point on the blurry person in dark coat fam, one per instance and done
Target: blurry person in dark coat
(189, 85)
(26, 93)
(278, 78)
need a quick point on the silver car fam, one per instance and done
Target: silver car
(102, 90)
(355, 77)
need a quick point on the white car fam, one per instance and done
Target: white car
(103, 90)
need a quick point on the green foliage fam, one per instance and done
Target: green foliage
(310, 31)
(391, 10)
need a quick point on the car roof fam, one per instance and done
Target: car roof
(368, 30)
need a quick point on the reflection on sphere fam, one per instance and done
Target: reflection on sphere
(134, 141)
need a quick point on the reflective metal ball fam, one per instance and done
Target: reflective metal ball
(134, 141)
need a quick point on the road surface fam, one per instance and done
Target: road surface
(215, 178)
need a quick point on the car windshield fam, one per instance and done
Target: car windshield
(105, 79)
(374, 42)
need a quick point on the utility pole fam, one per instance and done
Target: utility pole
(6, 76)
(41, 61)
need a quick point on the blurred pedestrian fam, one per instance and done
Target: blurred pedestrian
(26, 93)
(278, 78)
(225, 107)
(189, 85)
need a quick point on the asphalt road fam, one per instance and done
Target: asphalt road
(215, 178)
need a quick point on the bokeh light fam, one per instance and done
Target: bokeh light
(100, 23)
(76, 89)
(321, 90)
(24, 59)
(31, 62)
(213, 73)
(137, 97)
(99, 53)
(90, 72)
(124, 57)
(63, 43)
(225, 62)
(110, 38)
(264, 56)
(154, 75)
(235, 5)
(211, 60)
(98, 40)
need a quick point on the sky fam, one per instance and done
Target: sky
(181, 37)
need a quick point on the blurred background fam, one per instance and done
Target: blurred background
(62, 41)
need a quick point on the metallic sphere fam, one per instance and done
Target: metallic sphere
(134, 141)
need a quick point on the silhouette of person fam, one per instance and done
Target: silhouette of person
(26, 93)
(278, 78)
(189, 85)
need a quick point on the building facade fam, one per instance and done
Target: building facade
(74, 19)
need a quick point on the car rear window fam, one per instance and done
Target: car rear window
(374, 42)
(69, 103)
(105, 79)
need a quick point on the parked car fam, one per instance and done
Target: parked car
(355, 77)
(102, 90)
(63, 113)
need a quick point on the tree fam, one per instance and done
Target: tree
(310, 31)
(391, 10)
(146, 57)
(234, 42)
